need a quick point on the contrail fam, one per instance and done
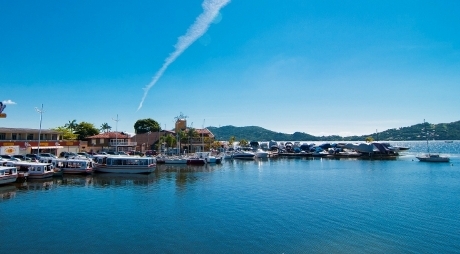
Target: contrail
(196, 30)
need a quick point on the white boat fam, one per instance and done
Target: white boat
(33, 170)
(261, 154)
(73, 166)
(208, 157)
(428, 157)
(175, 160)
(125, 164)
(244, 155)
(8, 175)
(433, 158)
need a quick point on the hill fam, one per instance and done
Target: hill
(442, 131)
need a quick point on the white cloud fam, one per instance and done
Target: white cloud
(8, 102)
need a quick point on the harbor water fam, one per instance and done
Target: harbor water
(275, 205)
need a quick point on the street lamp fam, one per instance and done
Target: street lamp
(148, 140)
(40, 111)
(116, 133)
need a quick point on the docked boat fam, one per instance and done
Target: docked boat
(73, 166)
(175, 160)
(125, 164)
(33, 170)
(244, 155)
(261, 154)
(208, 157)
(8, 175)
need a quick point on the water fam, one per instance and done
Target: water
(269, 206)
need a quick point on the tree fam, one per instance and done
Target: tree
(145, 125)
(369, 139)
(84, 130)
(72, 125)
(65, 133)
(231, 141)
(105, 127)
(243, 142)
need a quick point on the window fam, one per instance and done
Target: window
(101, 141)
(14, 136)
(2, 136)
(54, 137)
(30, 136)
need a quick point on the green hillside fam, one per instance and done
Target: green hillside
(442, 131)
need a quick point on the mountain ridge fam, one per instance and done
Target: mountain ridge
(441, 131)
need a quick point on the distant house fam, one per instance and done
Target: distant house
(111, 141)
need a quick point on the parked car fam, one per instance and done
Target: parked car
(20, 156)
(150, 153)
(87, 155)
(67, 154)
(32, 156)
(47, 155)
(8, 157)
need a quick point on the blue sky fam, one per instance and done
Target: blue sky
(320, 67)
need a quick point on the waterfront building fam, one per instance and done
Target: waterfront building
(28, 141)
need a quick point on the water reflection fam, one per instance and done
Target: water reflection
(7, 192)
(36, 184)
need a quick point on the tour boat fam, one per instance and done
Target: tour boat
(8, 175)
(125, 164)
(33, 170)
(73, 166)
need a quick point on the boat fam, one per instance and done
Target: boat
(73, 166)
(208, 157)
(428, 157)
(241, 154)
(175, 160)
(33, 170)
(125, 164)
(433, 158)
(261, 154)
(8, 175)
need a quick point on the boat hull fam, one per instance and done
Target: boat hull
(125, 170)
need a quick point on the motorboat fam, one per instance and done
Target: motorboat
(261, 154)
(241, 154)
(175, 160)
(208, 157)
(8, 175)
(125, 164)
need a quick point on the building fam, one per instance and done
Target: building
(30, 141)
(111, 141)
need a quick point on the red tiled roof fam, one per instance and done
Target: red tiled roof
(110, 135)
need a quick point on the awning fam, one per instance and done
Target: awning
(46, 147)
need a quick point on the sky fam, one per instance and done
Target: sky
(319, 67)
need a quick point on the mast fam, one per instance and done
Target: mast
(426, 134)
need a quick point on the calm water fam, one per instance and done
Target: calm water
(269, 206)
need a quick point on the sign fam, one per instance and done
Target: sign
(10, 150)
(2, 107)
(2, 115)
(8, 144)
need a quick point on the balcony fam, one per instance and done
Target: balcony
(121, 142)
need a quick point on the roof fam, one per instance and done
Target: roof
(113, 134)
(22, 130)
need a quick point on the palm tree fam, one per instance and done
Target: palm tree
(72, 125)
(105, 127)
